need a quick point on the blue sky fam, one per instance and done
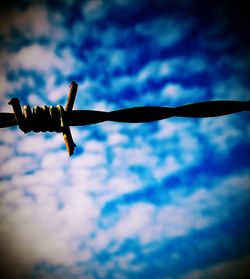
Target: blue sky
(167, 199)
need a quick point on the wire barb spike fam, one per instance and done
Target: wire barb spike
(43, 119)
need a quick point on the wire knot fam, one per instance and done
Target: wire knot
(46, 119)
(39, 119)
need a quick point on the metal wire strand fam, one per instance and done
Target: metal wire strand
(39, 119)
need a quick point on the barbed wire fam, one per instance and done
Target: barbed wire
(57, 119)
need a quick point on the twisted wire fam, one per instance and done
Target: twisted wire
(39, 119)
(56, 119)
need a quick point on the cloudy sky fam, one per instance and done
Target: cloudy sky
(167, 199)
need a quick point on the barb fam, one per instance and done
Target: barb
(70, 145)
(57, 119)
(47, 119)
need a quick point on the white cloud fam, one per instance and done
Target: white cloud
(120, 185)
(155, 69)
(5, 85)
(171, 127)
(57, 93)
(102, 106)
(175, 66)
(95, 146)
(190, 147)
(9, 137)
(182, 149)
(41, 58)
(121, 82)
(35, 57)
(178, 220)
(6, 152)
(35, 100)
(178, 92)
(94, 10)
(172, 90)
(39, 230)
(89, 160)
(117, 139)
(186, 212)
(33, 22)
(55, 160)
(37, 144)
(231, 89)
(40, 179)
(79, 212)
(26, 22)
(70, 183)
(165, 31)
(133, 220)
(137, 219)
(223, 133)
(167, 166)
(117, 58)
(17, 165)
